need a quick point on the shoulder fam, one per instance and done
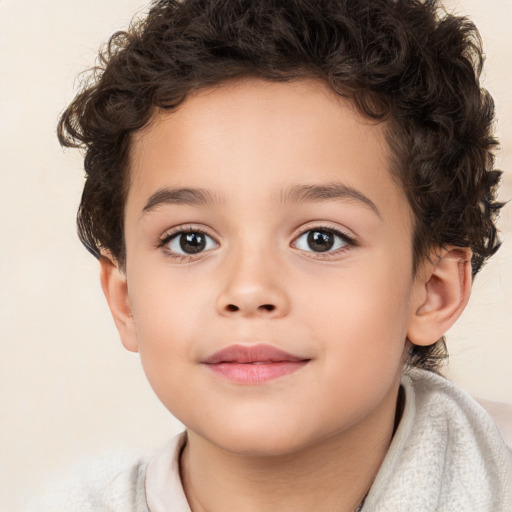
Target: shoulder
(501, 414)
(437, 397)
(446, 455)
(109, 485)
(441, 409)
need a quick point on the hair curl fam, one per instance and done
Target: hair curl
(404, 61)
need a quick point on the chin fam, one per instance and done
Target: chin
(262, 446)
(258, 439)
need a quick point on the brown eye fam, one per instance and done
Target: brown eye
(322, 240)
(190, 242)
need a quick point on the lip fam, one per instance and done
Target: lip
(253, 364)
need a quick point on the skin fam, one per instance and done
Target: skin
(317, 435)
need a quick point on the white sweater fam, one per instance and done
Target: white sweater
(446, 456)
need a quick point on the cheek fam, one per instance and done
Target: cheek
(166, 314)
(361, 330)
(165, 320)
(361, 312)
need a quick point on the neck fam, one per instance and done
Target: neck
(333, 474)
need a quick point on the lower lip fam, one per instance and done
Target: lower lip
(247, 373)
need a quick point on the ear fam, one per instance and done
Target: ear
(443, 290)
(115, 288)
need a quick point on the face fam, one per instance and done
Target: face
(269, 265)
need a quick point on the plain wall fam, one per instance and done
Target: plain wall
(68, 389)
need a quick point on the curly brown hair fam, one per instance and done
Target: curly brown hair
(406, 62)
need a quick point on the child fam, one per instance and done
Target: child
(289, 201)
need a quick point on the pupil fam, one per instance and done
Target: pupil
(320, 241)
(192, 243)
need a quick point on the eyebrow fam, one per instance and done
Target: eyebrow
(293, 194)
(326, 192)
(188, 196)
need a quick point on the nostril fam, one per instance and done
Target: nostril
(266, 307)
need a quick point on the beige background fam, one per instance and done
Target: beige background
(68, 389)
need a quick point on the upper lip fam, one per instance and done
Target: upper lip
(251, 354)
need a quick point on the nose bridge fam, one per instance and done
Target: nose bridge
(251, 284)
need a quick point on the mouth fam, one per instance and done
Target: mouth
(253, 364)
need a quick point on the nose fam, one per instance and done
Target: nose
(253, 286)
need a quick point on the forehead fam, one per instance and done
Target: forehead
(252, 112)
(254, 139)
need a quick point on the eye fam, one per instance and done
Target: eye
(322, 240)
(189, 242)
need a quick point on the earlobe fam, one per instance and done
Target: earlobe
(115, 288)
(443, 290)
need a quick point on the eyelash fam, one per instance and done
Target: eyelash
(174, 233)
(349, 241)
